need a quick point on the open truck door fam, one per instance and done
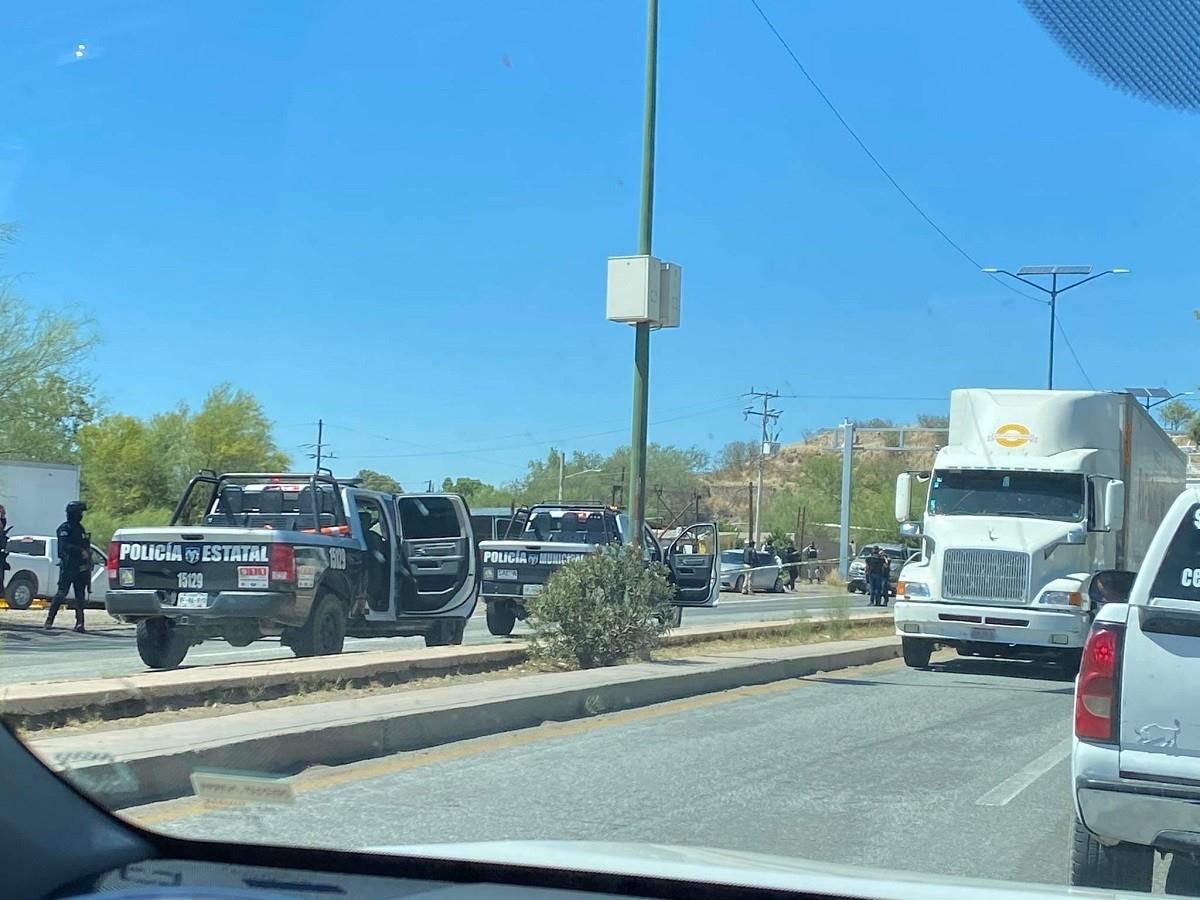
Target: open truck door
(438, 553)
(694, 561)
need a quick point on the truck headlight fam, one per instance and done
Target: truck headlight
(489, 574)
(1061, 598)
(913, 590)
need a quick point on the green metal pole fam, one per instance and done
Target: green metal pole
(641, 346)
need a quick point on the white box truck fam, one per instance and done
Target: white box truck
(36, 495)
(1034, 492)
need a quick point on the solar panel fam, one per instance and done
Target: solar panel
(1160, 393)
(1055, 270)
(1137, 392)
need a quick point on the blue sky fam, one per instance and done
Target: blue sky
(396, 215)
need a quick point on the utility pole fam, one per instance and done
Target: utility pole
(318, 448)
(561, 476)
(767, 418)
(641, 346)
(847, 456)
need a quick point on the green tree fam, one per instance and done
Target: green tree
(231, 433)
(1176, 415)
(44, 392)
(377, 481)
(737, 455)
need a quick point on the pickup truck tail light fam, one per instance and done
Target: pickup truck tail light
(110, 565)
(283, 562)
(1096, 691)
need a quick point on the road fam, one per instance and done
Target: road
(28, 654)
(959, 770)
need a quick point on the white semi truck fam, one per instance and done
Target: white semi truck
(1034, 493)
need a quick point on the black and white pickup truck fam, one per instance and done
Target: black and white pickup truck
(309, 559)
(547, 536)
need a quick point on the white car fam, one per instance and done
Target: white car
(1135, 761)
(34, 572)
(766, 576)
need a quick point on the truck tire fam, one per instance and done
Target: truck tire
(324, 634)
(916, 651)
(20, 591)
(501, 618)
(448, 633)
(777, 588)
(161, 644)
(1183, 877)
(1128, 867)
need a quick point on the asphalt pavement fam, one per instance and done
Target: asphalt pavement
(28, 654)
(959, 770)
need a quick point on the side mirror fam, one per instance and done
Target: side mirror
(1076, 536)
(1114, 505)
(910, 529)
(903, 496)
(1110, 586)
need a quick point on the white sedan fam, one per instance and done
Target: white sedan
(767, 574)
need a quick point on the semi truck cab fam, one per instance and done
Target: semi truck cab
(1034, 493)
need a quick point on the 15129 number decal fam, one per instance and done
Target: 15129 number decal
(337, 558)
(191, 579)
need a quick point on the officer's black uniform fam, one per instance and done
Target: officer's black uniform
(74, 563)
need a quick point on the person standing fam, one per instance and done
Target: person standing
(748, 561)
(885, 577)
(810, 558)
(74, 564)
(792, 557)
(873, 563)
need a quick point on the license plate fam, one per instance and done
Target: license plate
(983, 634)
(192, 601)
(506, 574)
(531, 590)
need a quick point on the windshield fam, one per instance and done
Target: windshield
(1030, 495)
(611, 333)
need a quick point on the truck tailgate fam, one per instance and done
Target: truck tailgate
(1160, 661)
(227, 560)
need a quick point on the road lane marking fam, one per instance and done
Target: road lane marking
(320, 778)
(1008, 789)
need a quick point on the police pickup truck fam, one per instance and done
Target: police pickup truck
(309, 559)
(547, 536)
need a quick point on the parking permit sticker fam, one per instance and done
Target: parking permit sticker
(252, 576)
(306, 576)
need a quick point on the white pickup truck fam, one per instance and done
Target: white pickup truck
(34, 573)
(1135, 761)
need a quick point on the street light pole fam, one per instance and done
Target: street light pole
(1053, 291)
(641, 345)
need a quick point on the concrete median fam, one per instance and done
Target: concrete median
(134, 765)
(53, 703)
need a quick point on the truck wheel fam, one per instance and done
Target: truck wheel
(1127, 867)
(777, 588)
(916, 651)
(161, 644)
(501, 618)
(446, 634)
(324, 633)
(1183, 877)
(677, 617)
(20, 591)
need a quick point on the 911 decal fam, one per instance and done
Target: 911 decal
(337, 558)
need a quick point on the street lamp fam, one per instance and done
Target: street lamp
(1054, 290)
(562, 477)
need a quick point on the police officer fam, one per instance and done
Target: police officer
(74, 563)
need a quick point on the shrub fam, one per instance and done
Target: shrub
(601, 610)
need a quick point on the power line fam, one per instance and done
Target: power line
(1074, 355)
(875, 160)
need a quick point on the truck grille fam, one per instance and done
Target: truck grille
(997, 575)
